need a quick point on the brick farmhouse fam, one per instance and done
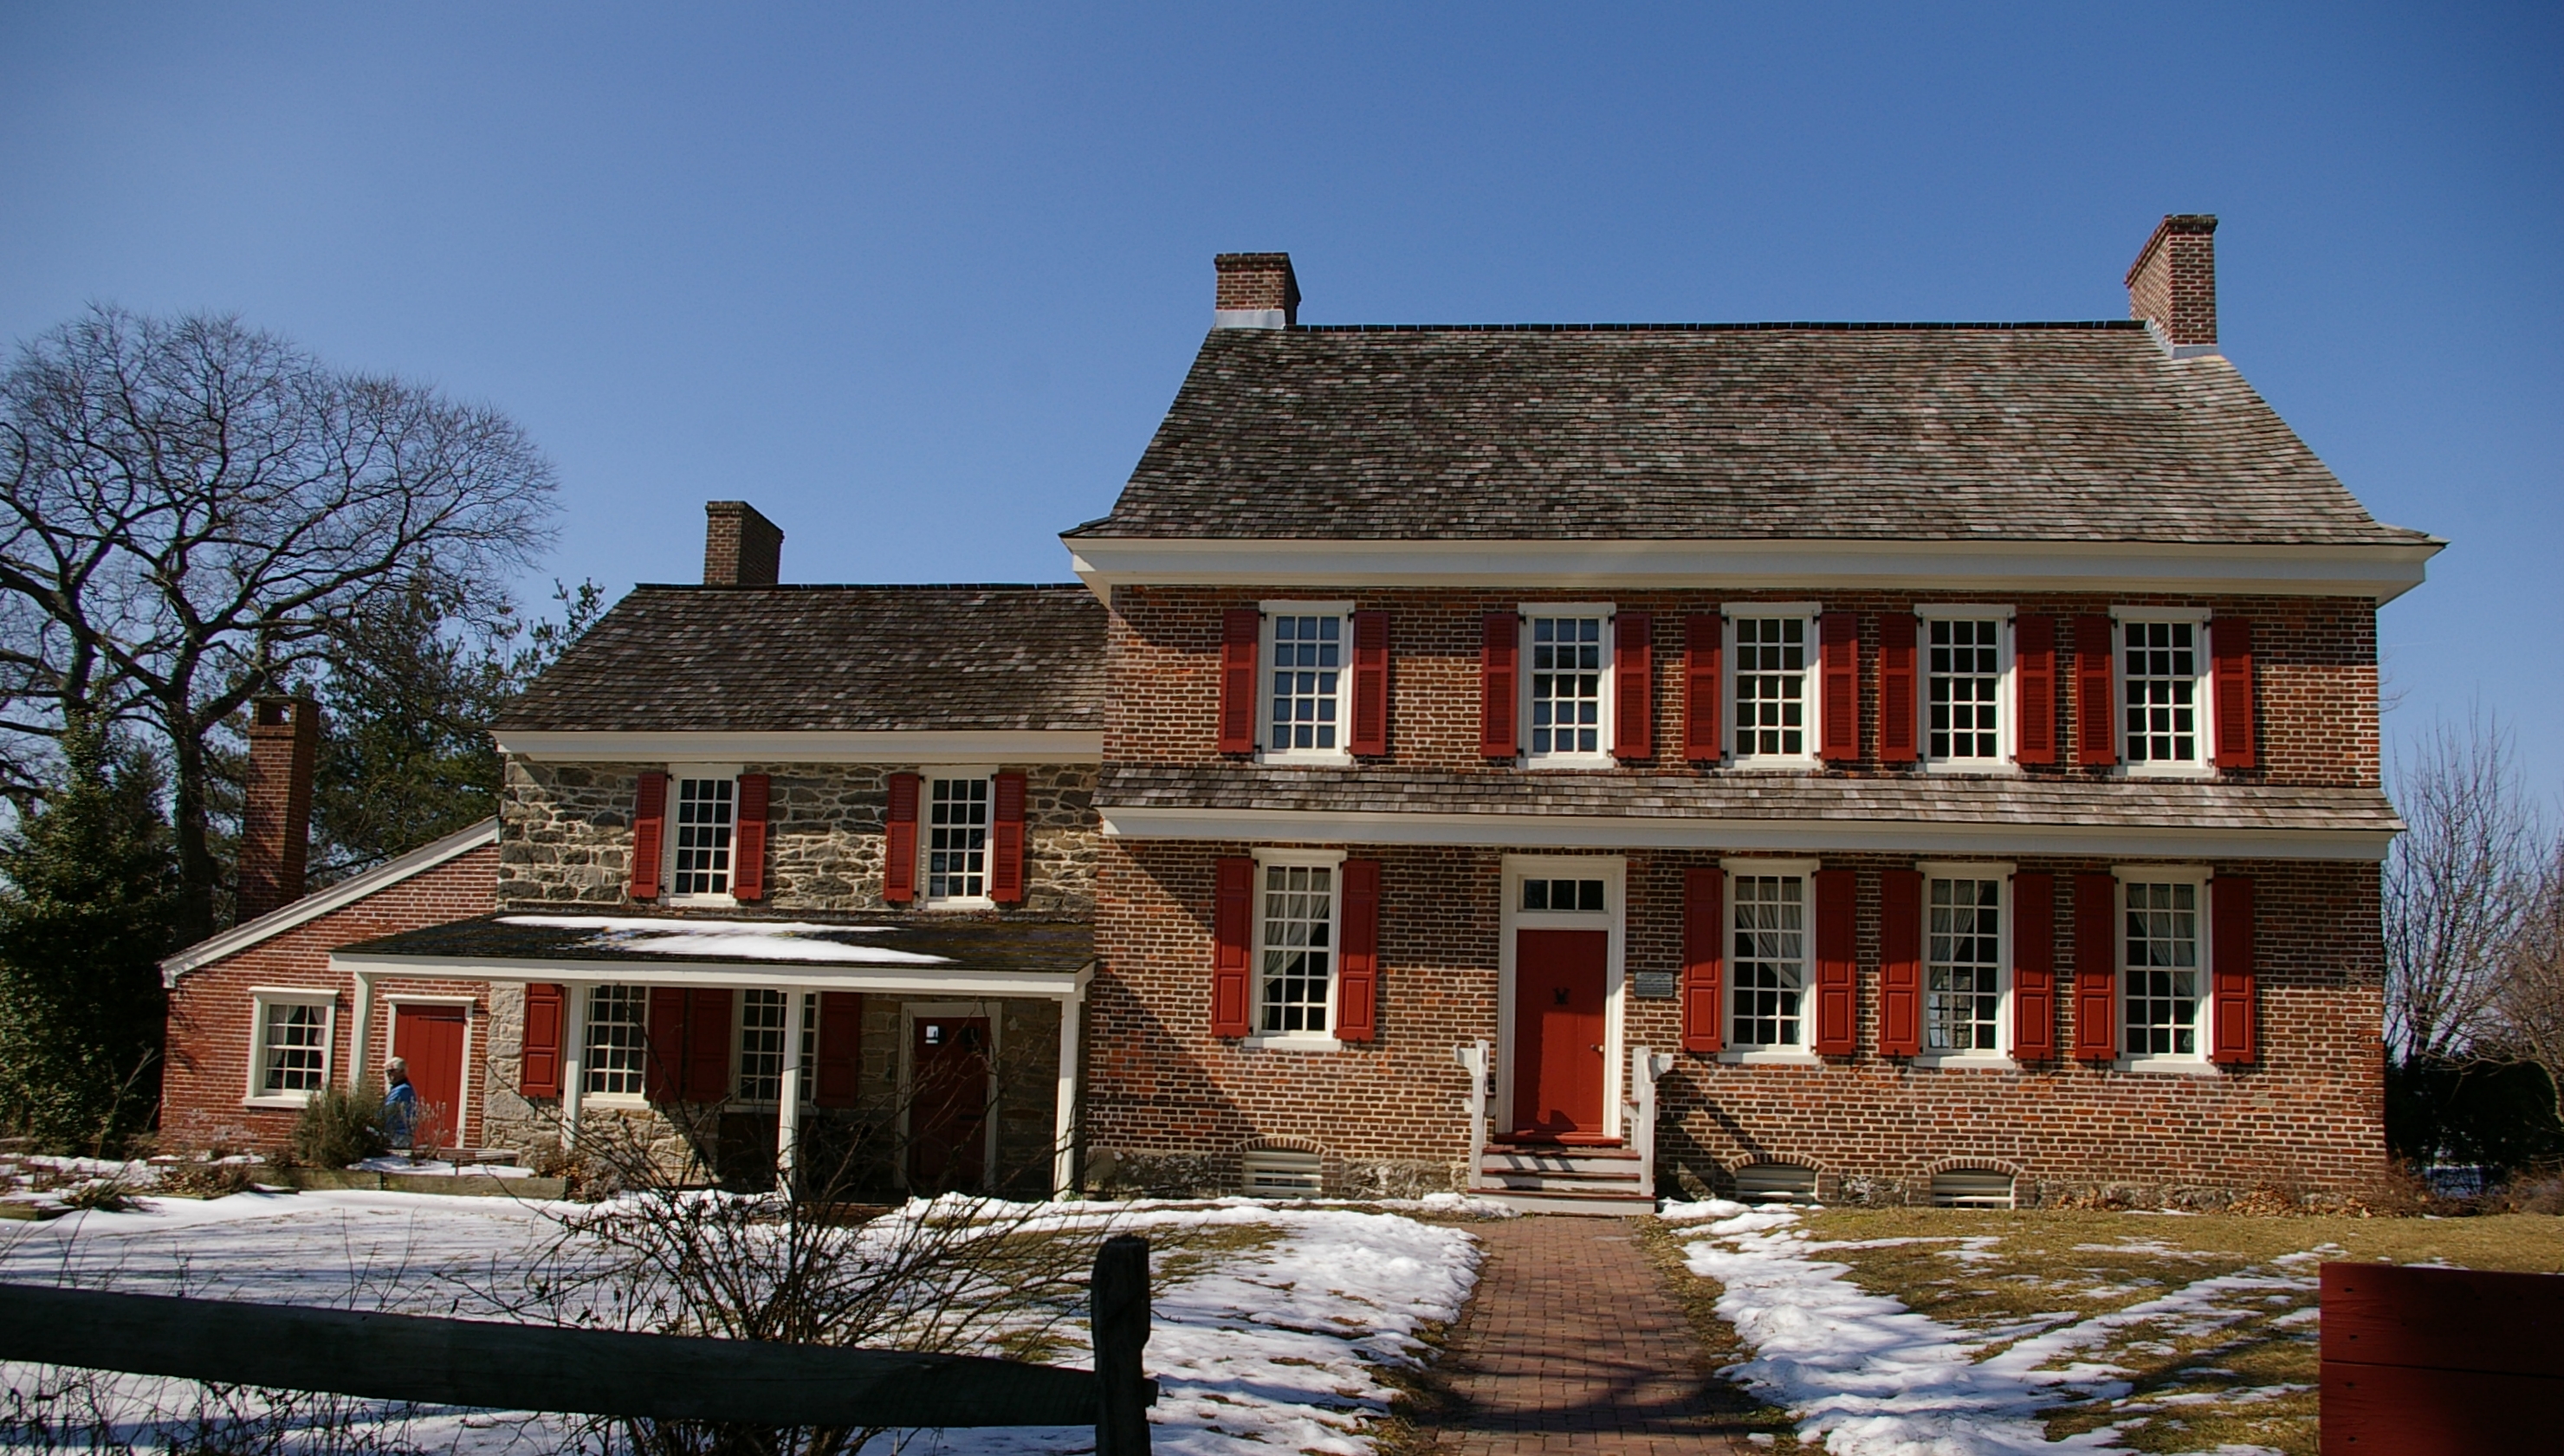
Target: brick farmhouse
(1887, 763)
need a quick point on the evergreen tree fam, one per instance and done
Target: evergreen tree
(91, 898)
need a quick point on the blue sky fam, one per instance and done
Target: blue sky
(918, 282)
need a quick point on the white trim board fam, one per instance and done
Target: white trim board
(1030, 745)
(767, 974)
(1563, 831)
(320, 902)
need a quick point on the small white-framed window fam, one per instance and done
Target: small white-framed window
(703, 814)
(1967, 670)
(2162, 672)
(764, 1025)
(1566, 684)
(2163, 967)
(294, 1033)
(1298, 904)
(955, 846)
(1772, 684)
(1767, 960)
(615, 1053)
(1963, 961)
(1305, 705)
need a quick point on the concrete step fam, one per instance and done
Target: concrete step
(1599, 1205)
(1570, 1181)
(1591, 1162)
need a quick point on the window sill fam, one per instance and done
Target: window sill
(2170, 1066)
(1312, 758)
(956, 903)
(1777, 1057)
(1773, 765)
(613, 1100)
(1291, 1043)
(1583, 761)
(1979, 1063)
(1972, 768)
(279, 1101)
(698, 902)
(2168, 770)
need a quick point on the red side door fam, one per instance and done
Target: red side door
(1558, 1031)
(948, 1111)
(430, 1040)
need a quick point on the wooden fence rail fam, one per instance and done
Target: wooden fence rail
(2418, 1361)
(480, 1362)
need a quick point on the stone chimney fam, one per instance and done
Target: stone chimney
(276, 810)
(740, 548)
(2173, 285)
(1256, 291)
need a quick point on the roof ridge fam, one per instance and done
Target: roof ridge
(864, 586)
(2052, 325)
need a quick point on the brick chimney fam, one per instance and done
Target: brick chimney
(275, 811)
(740, 548)
(2173, 283)
(1256, 291)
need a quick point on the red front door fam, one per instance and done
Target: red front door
(429, 1039)
(1558, 1031)
(948, 1110)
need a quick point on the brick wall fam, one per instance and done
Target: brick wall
(566, 831)
(1177, 1105)
(2315, 658)
(212, 1012)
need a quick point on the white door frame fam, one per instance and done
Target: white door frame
(910, 1013)
(393, 1001)
(1614, 871)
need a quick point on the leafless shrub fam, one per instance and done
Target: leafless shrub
(2457, 884)
(53, 1410)
(2531, 1009)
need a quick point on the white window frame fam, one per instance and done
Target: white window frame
(677, 774)
(1601, 757)
(2005, 688)
(926, 838)
(1297, 1041)
(2203, 1015)
(1800, 1053)
(262, 1000)
(1266, 731)
(586, 1067)
(739, 1098)
(1731, 722)
(2000, 871)
(393, 1001)
(1613, 919)
(2203, 685)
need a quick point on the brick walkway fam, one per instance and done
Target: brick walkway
(1572, 1343)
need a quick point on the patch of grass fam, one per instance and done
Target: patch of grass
(1715, 1340)
(1425, 1401)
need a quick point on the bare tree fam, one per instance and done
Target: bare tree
(193, 509)
(2456, 886)
(2532, 1003)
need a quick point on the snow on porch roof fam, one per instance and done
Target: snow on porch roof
(889, 944)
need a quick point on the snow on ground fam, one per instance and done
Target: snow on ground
(1868, 1376)
(1280, 1345)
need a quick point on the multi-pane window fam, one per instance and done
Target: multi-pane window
(2162, 667)
(1771, 687)
(1554, 895)
(294, 1047)
(1299, 946)
(956, 839)
(2163, 969)
(618, 1040)
(764, 1019)
(1963, 966)
(1308, 666)
(1566, 686)
(809, 1045)
(1964, 694)
(705, 809)
(1770, 961)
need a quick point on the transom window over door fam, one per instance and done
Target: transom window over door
(705, 811)
(956, 839)
(618, 1040)
(1306, 677)
(2162, 977)
(1298, 917)
(1770, 923)
(1566, 686)
(1964, 966)
(1965, 695)
(2161, 667)
(1771, 687)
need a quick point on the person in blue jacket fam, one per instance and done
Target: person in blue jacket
(400, 1102)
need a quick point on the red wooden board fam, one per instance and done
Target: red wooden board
(2444, 1319)
(2397, 1410)
(1557, 1030)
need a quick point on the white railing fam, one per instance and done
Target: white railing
(1639, 1110)
(1475, 1061)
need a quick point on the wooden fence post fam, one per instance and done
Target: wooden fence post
(1121, 1328)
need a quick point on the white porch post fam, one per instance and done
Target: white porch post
(357, 1015)
(1063, 1163)
(573, 1060)
(787, 1098)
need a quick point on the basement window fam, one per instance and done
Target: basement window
(1970, 1187)
(1270, 1172)
(1775, 1183)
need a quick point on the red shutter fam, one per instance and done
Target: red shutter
(2033, 967)
(1900, 963)
(1370, 684)
(706, 1046)
(1704, 1011)
(2033, 665)
(899, 841)
(2233, 1029)
(1837, 988)
(1358, 973)
(1238, 630)
(1232, 924)
(539, 1072)
(1838, 693)
(1704, 645)
(1498, 657)
(649, 834)
(838, 1075)
(663, 1074)
(2096, 967)
(748, 839)
(1633, 687)
(2096, 728)
(2230, 643)
(1006, 840)
(1897, 717)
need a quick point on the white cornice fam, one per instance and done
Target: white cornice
(1050, 985)
(1030, 745)
(1846, 836)
(2378, 572)
(320, 902)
